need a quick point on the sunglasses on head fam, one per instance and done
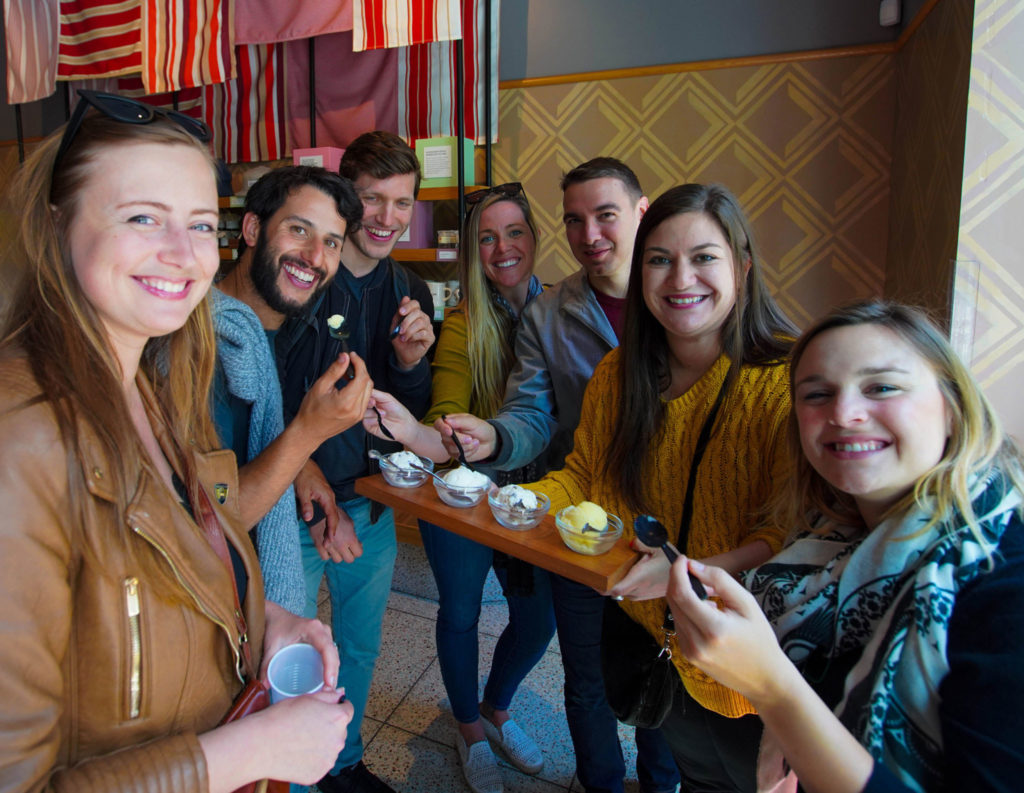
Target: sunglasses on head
(127, 111)
(508, 190)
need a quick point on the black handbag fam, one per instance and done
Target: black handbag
(640, 680)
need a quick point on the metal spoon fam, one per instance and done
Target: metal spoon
(341, 334)
(653, 534)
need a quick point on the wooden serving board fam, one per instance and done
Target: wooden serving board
(541, 546)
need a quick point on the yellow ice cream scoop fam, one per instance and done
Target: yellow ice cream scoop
(596, 517)
(586, 514)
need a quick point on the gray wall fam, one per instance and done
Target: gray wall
(551, 37)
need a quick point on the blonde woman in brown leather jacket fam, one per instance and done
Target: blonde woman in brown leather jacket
(121, 647)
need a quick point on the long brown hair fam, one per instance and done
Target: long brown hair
(976, 442)
(54, 325)
(756, 332)
(489, 327)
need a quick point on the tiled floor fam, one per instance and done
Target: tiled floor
(408, 730)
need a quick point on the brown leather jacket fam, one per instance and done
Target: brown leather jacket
(107, 674)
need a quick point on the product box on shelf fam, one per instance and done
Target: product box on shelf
(328, 157)
(420, 233)
(439, 161)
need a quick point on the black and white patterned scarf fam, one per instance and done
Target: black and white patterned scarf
(892, 594)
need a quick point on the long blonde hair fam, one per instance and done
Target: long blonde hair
(53, 323)
(976, 442)
(489, 326)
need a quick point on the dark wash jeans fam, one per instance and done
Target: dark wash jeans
(594, 728)
(460, 568)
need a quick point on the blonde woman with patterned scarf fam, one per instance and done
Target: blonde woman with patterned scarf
(892, 658)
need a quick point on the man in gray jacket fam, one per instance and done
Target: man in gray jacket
(564, 333)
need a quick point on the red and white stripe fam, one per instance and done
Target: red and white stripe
(377, 24)
(187, 43)
(32, 30)
(99, 38)
(247, 114)
(426, 82)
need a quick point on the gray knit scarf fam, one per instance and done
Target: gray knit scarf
(251, 374)
(891, 594)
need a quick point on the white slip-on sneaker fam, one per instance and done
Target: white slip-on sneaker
(516, 745)
(479, 766)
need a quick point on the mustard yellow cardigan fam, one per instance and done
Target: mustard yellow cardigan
(452, 380)
(744, 462)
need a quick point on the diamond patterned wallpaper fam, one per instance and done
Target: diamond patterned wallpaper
(989, 296)
(806, 146)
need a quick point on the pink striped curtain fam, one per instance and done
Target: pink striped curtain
(174, 44)
(247, 115)
(377, 24)
(426, 80)
(32, 28)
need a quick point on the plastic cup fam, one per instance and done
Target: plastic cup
(295, 670)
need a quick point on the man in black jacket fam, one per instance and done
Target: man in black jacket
(386, 313)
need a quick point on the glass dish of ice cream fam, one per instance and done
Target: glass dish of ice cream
(463, 487)
(517, 508)
(588, 529)
(398, 470)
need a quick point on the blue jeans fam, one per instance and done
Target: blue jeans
(359, 596)
(592, 724)
(460, 568)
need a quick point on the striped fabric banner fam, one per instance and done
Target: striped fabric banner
(377, 24)
(190, 100)
(426, 81)
(99, 38)
(187, 43)
(32, 28)
(247, 114)
(366, 99)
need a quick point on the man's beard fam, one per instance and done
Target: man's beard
(266, 269)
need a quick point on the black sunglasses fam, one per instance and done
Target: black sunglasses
(127, 111)
(508, 190)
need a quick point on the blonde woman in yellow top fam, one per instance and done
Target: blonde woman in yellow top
(699, 320)
(473, 358)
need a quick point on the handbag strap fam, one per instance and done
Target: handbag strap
(691, 482)
(698, 455)
(215, 536)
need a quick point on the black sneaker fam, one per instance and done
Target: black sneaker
(354, 779)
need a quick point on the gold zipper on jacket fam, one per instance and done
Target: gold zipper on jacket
(202, 607)
(131, 593)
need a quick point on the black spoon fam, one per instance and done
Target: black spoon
(653, 534)
(341, 333)
(458, 445)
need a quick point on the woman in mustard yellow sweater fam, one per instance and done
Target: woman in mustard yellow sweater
(699, 321)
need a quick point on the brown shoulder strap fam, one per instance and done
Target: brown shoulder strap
(214, 532)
